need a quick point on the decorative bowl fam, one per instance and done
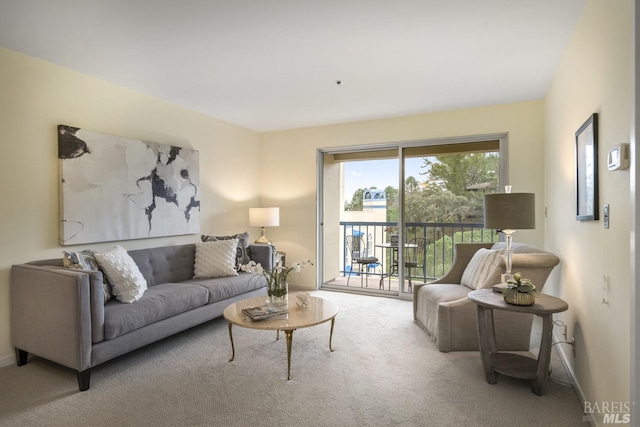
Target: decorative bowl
(519, 298)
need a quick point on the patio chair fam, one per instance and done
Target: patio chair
(358, 254)
(416, 258)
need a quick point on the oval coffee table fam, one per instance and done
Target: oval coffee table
(317, 311)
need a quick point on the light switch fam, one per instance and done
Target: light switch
(605, 214)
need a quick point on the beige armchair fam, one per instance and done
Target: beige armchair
(443, 310)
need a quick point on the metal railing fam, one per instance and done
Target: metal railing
(441, 236)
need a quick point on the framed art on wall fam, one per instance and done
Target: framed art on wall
(117, 188)
(587, 170)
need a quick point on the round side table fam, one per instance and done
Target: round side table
(495, 363)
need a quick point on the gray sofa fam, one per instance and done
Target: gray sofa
(59, 313)
(443, 310)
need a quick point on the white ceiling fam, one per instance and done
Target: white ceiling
(272, 64)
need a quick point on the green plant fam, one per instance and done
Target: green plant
(518, 284)
(276, 277)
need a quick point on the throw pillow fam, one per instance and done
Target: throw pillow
(126, 280)
(86, 260)
(242, 255)
(482, 269)
(215, 259)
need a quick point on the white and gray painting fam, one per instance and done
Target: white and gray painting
(116, 188)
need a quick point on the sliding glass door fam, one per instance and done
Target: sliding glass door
(389, 216)
(358, 201)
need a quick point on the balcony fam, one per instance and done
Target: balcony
(441, 240)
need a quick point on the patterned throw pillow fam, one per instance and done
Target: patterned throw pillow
(242, 256)
(126, 280)
(85, 260)
(215, 259)
(483, 267)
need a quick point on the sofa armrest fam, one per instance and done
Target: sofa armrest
(264, 255)
(51, 313)
(463, 254)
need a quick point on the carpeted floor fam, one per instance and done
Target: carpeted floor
(384, 371)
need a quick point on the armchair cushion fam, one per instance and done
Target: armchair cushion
(482, 270)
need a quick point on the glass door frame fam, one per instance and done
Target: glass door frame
(502, 138)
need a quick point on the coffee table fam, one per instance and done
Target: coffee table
(317, 311)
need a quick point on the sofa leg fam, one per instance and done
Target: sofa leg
(83, 379)
(21, 357)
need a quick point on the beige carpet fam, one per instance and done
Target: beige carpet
(384, 371)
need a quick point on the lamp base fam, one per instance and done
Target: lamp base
(506, 277)
(263, 240)
(508, 236)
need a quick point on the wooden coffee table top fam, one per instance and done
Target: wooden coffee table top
(318, 310)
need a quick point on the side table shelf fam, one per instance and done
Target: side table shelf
(515, 365)
(495, 363)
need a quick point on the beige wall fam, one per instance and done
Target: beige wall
(37, 96)
(279, 169)
(288, 179)
(595, 76)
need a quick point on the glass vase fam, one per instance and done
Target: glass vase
(278, 294)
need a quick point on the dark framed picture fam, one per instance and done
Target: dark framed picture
(587, 170)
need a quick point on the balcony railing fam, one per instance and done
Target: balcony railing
(442, 238)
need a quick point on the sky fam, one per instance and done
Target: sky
(378, 173)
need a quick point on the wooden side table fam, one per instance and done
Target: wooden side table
(495, 363)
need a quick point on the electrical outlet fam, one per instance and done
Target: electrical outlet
(573, 346)
(605, 214)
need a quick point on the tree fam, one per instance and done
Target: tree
(411, 185)
(392, 203)
(456, 173)
(435, 205)
(356, 201)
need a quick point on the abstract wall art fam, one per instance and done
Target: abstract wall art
(117, 188)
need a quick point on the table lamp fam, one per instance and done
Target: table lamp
(508, 212)
(264, 217)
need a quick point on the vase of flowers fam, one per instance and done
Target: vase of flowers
(519, 291)
(277, 286)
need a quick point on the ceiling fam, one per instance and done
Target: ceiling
(273, 64)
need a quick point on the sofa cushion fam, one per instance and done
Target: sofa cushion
(127, 282)
(227, 287)
(158, 302)
(165, 264)
(481, 271)
(242, 251)
(86, 260)
(215, 259)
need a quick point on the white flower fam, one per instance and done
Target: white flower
(252, 267)
(298, 266)
(279, 273)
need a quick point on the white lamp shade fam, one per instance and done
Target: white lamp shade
(264, 217)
